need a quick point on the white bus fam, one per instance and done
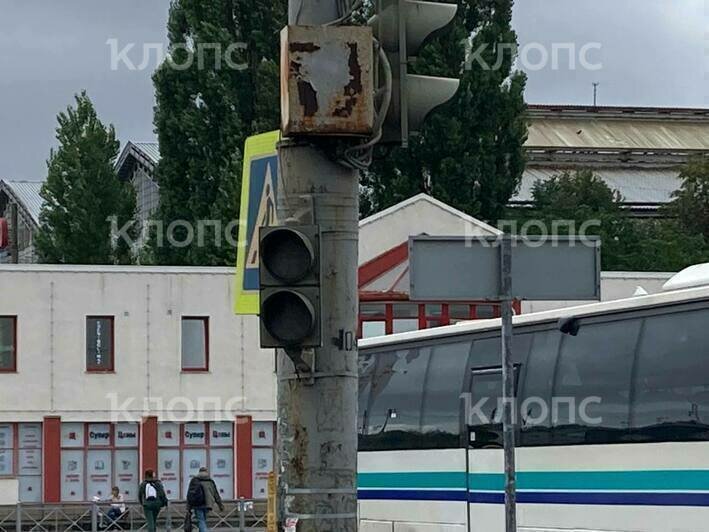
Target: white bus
(613, 415)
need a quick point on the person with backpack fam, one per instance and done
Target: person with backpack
(202, 497)
(151, 495)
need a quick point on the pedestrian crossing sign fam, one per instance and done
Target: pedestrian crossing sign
(259, 192)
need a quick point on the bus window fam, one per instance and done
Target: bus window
(591, 399)
(367, 365)
(671, 387)
(440, 415)
(394, 407)
(535, 396)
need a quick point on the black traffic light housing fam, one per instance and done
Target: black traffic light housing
(289, 271)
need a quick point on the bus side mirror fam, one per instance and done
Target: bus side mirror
(569, 326)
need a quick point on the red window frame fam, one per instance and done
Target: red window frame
(13, 367)
(205, 324)
(112, 366)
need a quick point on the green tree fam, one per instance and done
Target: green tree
(586, 200)
(470, 153)
(691, 202)
(82, 192)
(219, 86)
(628, 244)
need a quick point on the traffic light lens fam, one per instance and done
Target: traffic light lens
(287, 255)
(288, 316)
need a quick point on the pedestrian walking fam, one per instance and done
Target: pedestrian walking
(202, 497)
(152, 497)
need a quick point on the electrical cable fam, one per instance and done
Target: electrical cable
(348, 13)
(360, 156)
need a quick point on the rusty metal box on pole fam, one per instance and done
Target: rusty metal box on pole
(327, 80)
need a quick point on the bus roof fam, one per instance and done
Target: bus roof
(593, 309)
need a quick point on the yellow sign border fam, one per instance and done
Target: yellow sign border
(256, 147)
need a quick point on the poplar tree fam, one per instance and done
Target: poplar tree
(470, 153)
(218, 86)
(83, 197)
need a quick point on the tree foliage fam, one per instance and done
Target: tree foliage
(628, 244)
(212, 93)
(470, 152)
(82, 192)
(691, 202)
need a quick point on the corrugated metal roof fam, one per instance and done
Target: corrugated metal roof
(653, 187)
(150, 149)
(618, 134)
(27, 194)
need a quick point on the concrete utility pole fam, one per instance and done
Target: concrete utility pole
(317, 411)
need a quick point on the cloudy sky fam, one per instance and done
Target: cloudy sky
(642, 52)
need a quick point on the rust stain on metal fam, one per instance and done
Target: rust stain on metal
(307, 95)
(304, 47)
(354, 88)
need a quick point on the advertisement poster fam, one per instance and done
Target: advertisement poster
(195, 434)
(192, 460)
(30, 436)
(262, 466)
(72, 478)
(6, 464)
(169, 471)
(126, 473)
(7, 438)
(168, 435)
(127, 435)
(73, 435)
(221, 434)
(30, 489)
(99, 435)
(221, 468)
(30, 462)
(98, 474)
(262, 434)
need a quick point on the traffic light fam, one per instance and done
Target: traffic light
(402, 28)
(289, 273)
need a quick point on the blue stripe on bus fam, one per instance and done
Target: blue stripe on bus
(596, 498)
(530, 497)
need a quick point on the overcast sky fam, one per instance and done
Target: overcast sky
(652, 52)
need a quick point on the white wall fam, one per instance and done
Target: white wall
(52, 304)
(614, 286)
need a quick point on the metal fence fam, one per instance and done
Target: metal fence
(241, 515)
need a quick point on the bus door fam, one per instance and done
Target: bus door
(483, 417)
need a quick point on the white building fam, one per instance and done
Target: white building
(105, 371)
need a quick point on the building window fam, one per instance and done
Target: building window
(195, 344)
(21, 457)
(184, 448)
(97, 456)
(99, 343)
(8, 343)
